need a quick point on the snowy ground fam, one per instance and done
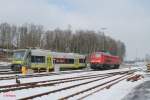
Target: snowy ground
(140, 92)
(120, 91)
(4, 65)
(116, 92)
(35, 79)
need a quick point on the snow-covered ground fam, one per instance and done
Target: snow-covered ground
(35, 79)
(4, 63)
(116, 92)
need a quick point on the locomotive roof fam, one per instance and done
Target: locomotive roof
(103, 53)
(106, 54)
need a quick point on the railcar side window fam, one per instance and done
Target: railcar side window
(59, 61)
(70, 61)
(63, 61)
(38, 59)
(81, 60)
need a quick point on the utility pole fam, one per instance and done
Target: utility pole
(136, 58)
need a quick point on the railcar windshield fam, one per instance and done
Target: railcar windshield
(97, 55)
(19, 55)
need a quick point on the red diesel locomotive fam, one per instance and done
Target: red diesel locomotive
(101, 60)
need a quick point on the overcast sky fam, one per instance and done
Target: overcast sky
(125, 20)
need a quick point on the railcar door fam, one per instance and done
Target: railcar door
(76, 62)
(27, 58)
(49, 62)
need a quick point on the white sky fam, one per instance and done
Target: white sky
(126, 20)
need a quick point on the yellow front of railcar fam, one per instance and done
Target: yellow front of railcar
(49, 62)
(18, 60)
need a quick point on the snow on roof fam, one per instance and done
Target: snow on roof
(42, 52)
(66, 55)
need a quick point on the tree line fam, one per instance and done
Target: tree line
(67, 40)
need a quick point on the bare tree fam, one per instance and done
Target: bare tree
(79, 41)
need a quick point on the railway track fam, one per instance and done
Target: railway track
(8, 72)
(2, 67)
(15, 87)
(106, 85)
(38, 74)
(87, 79)
(123, 75)
(13, 76)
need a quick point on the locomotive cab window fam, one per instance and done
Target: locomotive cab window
(38, 59)
(97, 55)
